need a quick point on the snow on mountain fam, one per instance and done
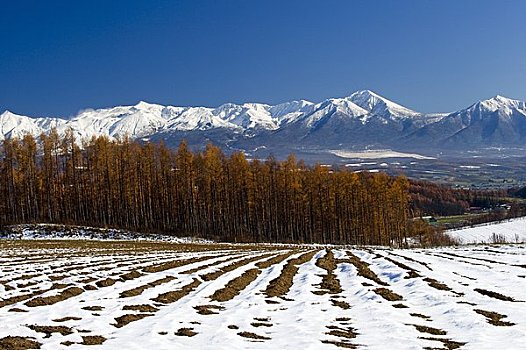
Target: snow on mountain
(14, 125)
(504, 104)
(364, 117)
(248, 115)
(381, 106)
(196, 118)
(323, 111)
(497, 121)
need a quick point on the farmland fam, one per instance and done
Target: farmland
(74, 293)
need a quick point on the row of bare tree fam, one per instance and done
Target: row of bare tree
(151, 188)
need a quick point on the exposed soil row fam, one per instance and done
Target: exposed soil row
(363, 269)
(138, 290)
(495, 295)
(221, 271)
(494, 318)
(177, 263)
(53, 299)
(202, 267)
(173, 296)
(281, 284)
(235, 286)
(329, 283)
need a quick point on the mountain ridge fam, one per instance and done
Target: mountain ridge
(364, 119)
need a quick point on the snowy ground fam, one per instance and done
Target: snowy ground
(81, 291)
(511, 231)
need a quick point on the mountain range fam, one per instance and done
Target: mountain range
(363, 120)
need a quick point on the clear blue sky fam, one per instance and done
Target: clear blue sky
(58, 57)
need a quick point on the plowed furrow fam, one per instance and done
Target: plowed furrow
(281, 284)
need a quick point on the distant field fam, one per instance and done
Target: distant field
(511, 231)
(146, 295)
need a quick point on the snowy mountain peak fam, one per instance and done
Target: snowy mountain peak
(146, 105)
(376, 104)
(499, 102)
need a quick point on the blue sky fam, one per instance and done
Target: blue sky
(58, 57)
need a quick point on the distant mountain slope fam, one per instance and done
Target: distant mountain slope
(497, 122)
(362, 120)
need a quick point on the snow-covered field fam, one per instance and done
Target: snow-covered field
(510, 231)
(144, 295)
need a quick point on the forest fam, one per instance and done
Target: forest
(150, 188)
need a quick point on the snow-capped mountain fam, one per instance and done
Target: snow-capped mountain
(378, 105)
(498, 121)
(362, 119)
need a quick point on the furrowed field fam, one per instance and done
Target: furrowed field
(146, 295)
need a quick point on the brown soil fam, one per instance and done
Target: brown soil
(342, 319)
(388, 294)
(261, 324)
(437, 285)
(27, 277)
(89, 287)
(235, 286)
(208, 309)
(275, 260)
(233, 326)
(414, 314)
(7, 287)
(105, 282)
(18, 343)
(202, 267)
(340, 344)
(252, 336)
(138, 290)
(93, 308)
(18, 298)
(93, 340)
(348, 333)
(16, 309)
(25, 285)
(342, 304)
(48, 330)
(141, 308)
(429, 330)
(281, 285)
(448, 343)
(65, 294)
(175, 264)
(67, 318)
(400, 306)
(214, 275)
(67, 343)
(59, 285)
(58, 277)
(494, 318)
(363, 269)
(88, 280)
(494, 295)
(329, 283)
(173, 296)
(125, 319)
(131, 275)
(185, 332)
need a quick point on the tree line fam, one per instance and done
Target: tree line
(151, 188)
(429, 198)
